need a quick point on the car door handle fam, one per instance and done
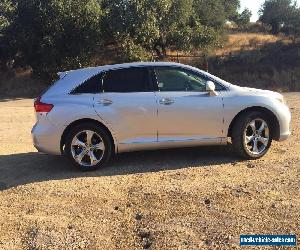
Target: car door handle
(105, 102)
(166, 101)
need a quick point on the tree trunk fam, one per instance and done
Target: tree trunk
(275, 28)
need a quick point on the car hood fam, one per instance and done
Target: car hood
(261, 92)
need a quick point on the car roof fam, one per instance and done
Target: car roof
(140, 64)
(124, 65)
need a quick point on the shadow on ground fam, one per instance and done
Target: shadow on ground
(9, 99)
(19, 169)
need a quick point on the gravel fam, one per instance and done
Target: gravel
(195, 198)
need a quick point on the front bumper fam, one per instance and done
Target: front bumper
(284, 137)
(284, 122)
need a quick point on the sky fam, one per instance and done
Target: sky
(254, 6)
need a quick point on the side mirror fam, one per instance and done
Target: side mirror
(210, 87)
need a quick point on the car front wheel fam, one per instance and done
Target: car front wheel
(251, 135)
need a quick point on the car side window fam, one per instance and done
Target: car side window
(175, 79)
(126, 80)
(91, 86)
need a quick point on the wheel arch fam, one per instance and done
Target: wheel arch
(275, 126)
(80, 121)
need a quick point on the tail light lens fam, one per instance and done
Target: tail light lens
(41, 107)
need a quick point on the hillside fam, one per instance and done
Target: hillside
(248, 59)
(259, 60)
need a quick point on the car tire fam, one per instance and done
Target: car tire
(248, 143)
(88, 146)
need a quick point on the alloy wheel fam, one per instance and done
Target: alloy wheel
(256, 136)
(87, 148)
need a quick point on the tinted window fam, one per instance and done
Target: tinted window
(174, 79)
(92, 85)
(126, 80)
(179, 80)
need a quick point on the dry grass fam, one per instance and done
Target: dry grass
(246, 41)
(259, 60)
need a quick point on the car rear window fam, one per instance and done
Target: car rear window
(126, 80)
(91, 86)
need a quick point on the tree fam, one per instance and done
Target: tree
(276, 13)
(242, 19)
(56, 35)
(53, 35)
(147, 26)
(7, 12)
(292, 25)
(214, 13)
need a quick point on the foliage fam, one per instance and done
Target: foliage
(53, 35)
(242, 19)
(292, 25)
(214, 13)
(159, 25)
(57, 35)
(277, 13)
(7, 11)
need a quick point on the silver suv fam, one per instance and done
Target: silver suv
(90, 114)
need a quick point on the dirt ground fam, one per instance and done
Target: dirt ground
(199, 198)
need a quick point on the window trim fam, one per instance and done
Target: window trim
(152, 78)
(155, 80)
(148, 84)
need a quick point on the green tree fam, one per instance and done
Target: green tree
(7, 13)
(53, 35)
(292, 24)
(242, 19)
(147, 26)
(214, 13)
(276, 13)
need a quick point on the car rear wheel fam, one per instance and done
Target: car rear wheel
(251, 135)
(88, 146)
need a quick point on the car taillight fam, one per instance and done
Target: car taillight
(41, 107)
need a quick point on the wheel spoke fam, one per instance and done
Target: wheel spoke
(252, 125)
(78, 142)
(89, 135)
(263, 140)
(92, 158)
(262, 127)
(249, 138)
(81, 155)
(255, 148)
(99, 146)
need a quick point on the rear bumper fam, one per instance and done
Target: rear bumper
(46, 138)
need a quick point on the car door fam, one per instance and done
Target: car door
(128, 105)
(186, 111)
